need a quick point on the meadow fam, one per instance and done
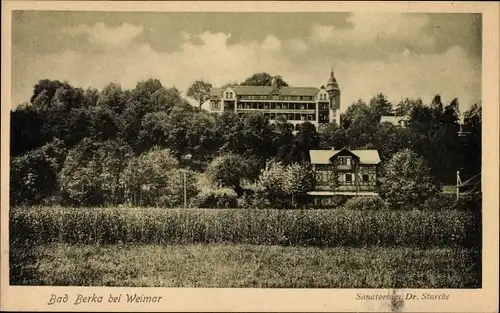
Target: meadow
(245, 248)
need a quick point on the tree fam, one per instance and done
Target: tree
(228, 133)
(154, 179)
(380, 105)
(113, 98)
(333, 136)
(257, 136)
(263, 79)
(404, 107)
(229, 171)
(433, 133)
(26, 133)
(306, 139)
(471, 146)
(406, 180)
(200, 91)
(91, 172)
(284, 141)
(286, 185)
(34, 175)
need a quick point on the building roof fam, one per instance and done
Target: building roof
(267, 90)
(473, 181)
(393, 119)
(323, 156)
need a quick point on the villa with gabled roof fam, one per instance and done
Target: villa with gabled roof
(345, 172)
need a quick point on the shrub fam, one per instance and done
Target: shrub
(216, 198)
(365, 203)
(253, 197)
(43, 225)
(406, 180)
(469, 202)
(330, 202)
(438, 202)
(286, 185)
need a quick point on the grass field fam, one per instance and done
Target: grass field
(214, 265)
(245, 248)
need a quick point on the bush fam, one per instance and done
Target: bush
(253, 197)
(469, 202)
(365, 203)
(427, 229)
(406, 180)
(218, 198)
(439, 202)
(286, 185)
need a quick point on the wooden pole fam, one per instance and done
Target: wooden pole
(458, 184)
(185, 193)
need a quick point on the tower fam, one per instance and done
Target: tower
(333, 90)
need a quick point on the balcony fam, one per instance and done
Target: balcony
(344, 167)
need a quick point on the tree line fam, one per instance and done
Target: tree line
(113, 146)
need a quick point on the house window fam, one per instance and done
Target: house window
(348, 177)
(344, 160)
(366, 177)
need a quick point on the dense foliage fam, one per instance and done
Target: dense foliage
(88, 147)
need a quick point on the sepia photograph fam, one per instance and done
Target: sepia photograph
(261, 150)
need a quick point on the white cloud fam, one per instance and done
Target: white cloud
(402, 74)
(108, 37)
(271, 43)
(297, 46)
(367, 27)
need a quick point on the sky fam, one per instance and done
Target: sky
(401, 55)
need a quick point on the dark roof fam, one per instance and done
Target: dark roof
(267, 90)
(323, 156)
(473, 181)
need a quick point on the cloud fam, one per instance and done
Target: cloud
(107, 37)
(297, 46)
(368, 27)
(211, 57)
(271, 43)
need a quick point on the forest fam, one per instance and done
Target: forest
(87, 147)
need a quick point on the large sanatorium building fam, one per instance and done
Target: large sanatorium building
(297, 104)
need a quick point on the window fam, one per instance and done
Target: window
(366, 177)
(343, 160)
(348, 177)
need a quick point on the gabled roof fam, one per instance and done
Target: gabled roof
(323, 156)
(216, 92)
(267, 90)
(299, 91)
(393, 119)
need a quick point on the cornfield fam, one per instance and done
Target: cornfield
(42, 225)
